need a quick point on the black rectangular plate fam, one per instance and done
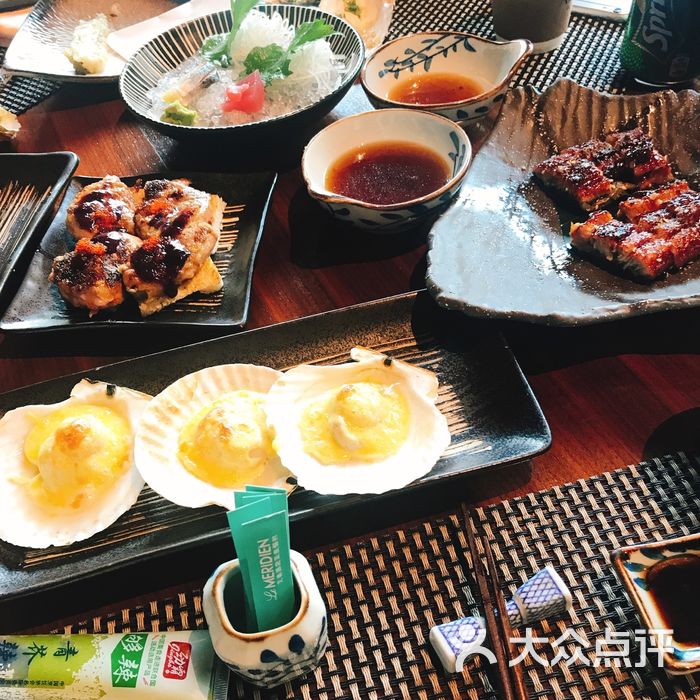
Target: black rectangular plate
(503, 250)
(14, 4)
(31, 187)
(38, 306)
(493, 417)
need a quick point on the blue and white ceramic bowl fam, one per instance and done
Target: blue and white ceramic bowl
(429, 130)
(491, 63)
(632, 565)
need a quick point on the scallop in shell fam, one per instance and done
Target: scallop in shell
(368, 426)
(206, 435)
(67, 470)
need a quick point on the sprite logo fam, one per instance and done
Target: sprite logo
(654, 32)
(126, 660)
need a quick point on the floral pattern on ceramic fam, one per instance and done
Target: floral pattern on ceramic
(542, 596)
(493, 63)
(632, 564)
(429, 130)
(275, 656)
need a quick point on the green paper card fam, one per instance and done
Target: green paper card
(235, 518)
(266, 543)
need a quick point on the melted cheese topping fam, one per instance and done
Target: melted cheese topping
(359, 422)
(227, 443)
(77, 451)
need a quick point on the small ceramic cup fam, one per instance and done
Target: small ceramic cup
(543, 22)
(274, 656)
(491, 64)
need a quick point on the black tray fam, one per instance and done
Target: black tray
(38, 306)
(493, 417)
(32, 186)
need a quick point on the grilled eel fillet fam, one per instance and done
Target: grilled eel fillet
(597, 172)
(661, 231)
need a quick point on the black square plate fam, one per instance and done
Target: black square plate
(39, 307)
(491, 411)
(31, 186)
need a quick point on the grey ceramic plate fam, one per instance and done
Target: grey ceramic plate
(38, 306)
(31, 187)
(492, 413)
(37, 48)
(502, 250)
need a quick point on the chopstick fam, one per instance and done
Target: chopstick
(499, 629)
(516, 672)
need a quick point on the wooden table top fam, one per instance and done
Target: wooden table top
(613, 394)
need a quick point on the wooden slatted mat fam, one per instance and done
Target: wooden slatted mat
(384, 592)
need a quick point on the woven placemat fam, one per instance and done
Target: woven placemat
(589, 54)
(384, 592)
(20, 94)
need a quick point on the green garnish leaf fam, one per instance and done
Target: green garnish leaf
(272, 61)
(310, 31)
(217, 48)
(214, 48)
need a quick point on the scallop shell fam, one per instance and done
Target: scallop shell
(428, 436)
(158, 437)
(22, 521)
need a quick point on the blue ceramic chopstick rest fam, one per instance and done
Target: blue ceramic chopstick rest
(274, 656)
(544, 595)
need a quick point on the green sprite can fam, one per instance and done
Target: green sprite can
(661, 45)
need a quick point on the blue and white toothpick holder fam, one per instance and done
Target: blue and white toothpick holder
(544, 595)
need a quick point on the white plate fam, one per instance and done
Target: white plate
(39, 45)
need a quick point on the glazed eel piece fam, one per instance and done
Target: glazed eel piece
(598, 172)
(661, 232)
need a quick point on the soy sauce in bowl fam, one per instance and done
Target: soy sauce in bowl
(436, 88)
(387, 172)
(673, 584)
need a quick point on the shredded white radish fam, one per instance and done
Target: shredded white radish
(315, 72)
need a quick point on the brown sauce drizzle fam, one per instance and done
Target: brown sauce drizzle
(111, 240)
(175, 227)
(165, 217)
(99, 211)
(160, 260)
